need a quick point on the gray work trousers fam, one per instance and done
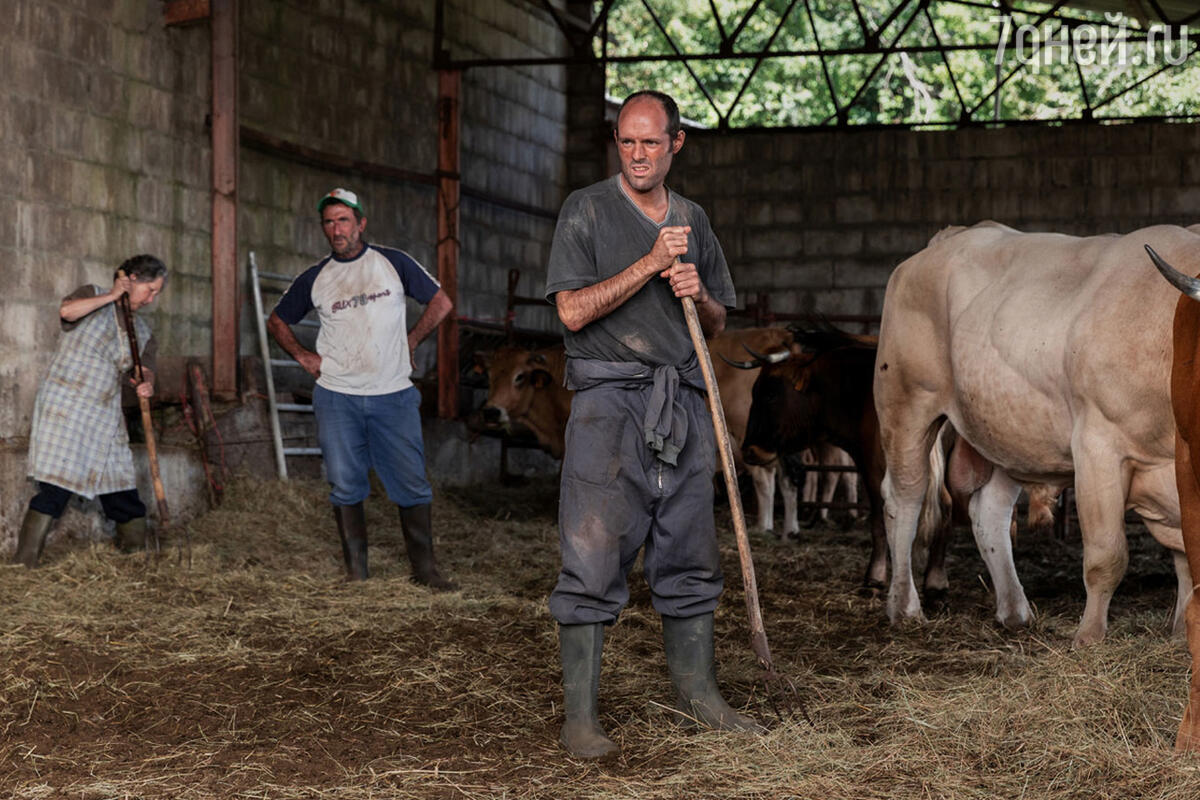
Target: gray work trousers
(616, 496)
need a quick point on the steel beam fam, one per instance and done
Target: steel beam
(449, 86)
(224, 199)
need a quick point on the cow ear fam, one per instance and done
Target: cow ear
(540, 379)
(801, 382)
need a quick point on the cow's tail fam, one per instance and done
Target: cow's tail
(937, 498)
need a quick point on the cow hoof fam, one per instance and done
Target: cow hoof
(872, 589)
(936, 601)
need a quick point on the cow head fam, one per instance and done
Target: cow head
(817, 393)
(779, 405)
(514, 374)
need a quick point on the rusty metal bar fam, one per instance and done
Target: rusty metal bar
(224, 199)
(449, 85)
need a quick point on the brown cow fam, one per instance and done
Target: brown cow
(1185, 389)
(525, 388)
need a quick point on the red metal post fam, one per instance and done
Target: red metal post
(224, 199)
(449, 84)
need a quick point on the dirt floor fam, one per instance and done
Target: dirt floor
(258, 673)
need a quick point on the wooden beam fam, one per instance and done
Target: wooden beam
(224, 199)
(449, 84)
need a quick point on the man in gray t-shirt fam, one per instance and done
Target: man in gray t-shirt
(639, 459)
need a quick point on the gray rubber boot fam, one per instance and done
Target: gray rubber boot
(352, 530)
(688, 642)
(131, 535)
(32, 537)
(417, 524)
(580, 647)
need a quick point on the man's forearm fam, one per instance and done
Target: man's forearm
(436, 310)
(711, 314)
(579, 307)
(282, 333)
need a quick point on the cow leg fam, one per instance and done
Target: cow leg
(1183, 594)
(1188, 737)
(903, 488)
(991, 510)
(764, 494)
(787, 490)
(849, 480)
(829, 485)
(812, 480)
(1100, 502)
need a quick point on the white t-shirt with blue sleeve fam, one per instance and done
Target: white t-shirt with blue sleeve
(363, 341)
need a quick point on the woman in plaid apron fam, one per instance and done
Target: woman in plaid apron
(78, 444)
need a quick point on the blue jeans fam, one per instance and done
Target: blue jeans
(358, 433)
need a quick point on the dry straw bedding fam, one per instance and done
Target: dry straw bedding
(257, 673)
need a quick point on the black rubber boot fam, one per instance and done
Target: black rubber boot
(352, 529)
(417, 524)
(579, 648)
(688, 642)
(32, 537)
(131, 535)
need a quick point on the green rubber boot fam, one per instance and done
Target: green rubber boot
(352, 530)
(417, 524)
(131, 535)
(579, 648)
(32, 537)
(688, 642)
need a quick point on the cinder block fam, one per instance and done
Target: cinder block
(858, 272)
(856, 209)
(832, 242)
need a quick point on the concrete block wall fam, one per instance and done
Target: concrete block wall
(819, 219)
(355, 79)
(102, 113)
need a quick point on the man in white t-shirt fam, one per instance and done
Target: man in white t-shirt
(366, 406)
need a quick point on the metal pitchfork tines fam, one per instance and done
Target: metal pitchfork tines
(758, 634)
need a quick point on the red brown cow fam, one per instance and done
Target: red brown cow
(1185, 403)
(819, 393)
(525, 388)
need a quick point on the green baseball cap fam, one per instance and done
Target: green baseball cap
(340, 195)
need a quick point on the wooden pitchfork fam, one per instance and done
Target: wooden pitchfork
(160, 495)
(758, 634)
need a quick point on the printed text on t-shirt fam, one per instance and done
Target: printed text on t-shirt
(358, 300)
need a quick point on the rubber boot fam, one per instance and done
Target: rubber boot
(131, 535)
(352, 530)
(688, 642)
(579, 648)
(32, 538)
(417, 524)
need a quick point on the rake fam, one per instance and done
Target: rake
(758, 634)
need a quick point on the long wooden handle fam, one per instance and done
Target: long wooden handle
(758, 634)
(160, 495)
(164, 516)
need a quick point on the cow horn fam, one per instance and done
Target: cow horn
(740, 364)
(773, 358)
(1189, 286)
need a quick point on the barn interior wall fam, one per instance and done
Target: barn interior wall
(820, 219)
(104, 114)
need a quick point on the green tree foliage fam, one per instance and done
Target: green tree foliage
(933, 64)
